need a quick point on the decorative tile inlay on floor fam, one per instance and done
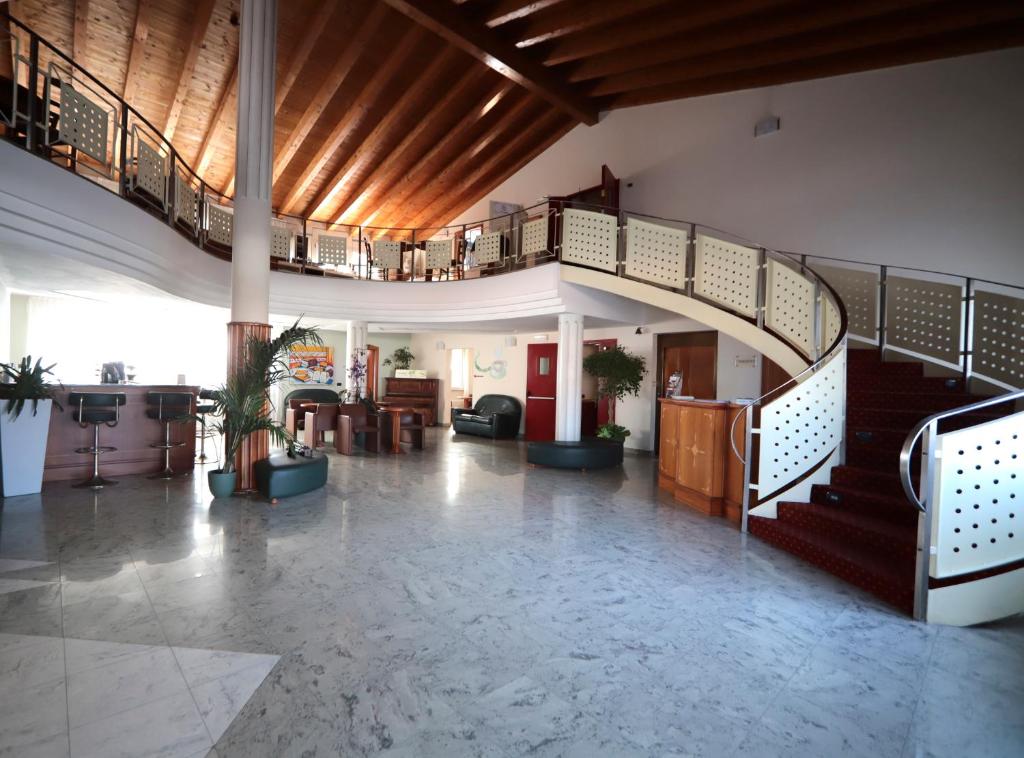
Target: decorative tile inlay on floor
(92, 698)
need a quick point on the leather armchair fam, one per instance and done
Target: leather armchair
(320, 418)
(494, 416)
(295, 415)
(353, 419)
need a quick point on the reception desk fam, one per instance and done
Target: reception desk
(695, 462)
(132, 437)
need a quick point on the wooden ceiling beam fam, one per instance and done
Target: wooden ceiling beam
(944, 17)
(220, 115)
(447, 155)
(390, 171)
(486, 45)
(562, 20)
(139, 36)
(681, 17)
(201, 15)
(993, 37)
(734, 34)
(364, 35)
(368, 98)
(401, 113)
(510, 10)
(81, 31)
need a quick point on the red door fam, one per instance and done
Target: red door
(541, 362)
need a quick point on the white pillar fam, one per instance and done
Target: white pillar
(355, 346)
(569, 387)
(254, 156)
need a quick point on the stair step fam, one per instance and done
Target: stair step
(924, 402)
(867, 502)
(900, 383)
(889, 579)
(885, 483)
(862, 417)
(871, 533)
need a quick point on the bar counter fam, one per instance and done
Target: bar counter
(132, 437)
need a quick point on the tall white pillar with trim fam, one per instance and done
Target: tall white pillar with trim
(254, 155)
(355, 346)
(569, 384)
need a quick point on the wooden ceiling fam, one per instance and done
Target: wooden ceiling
(403, 113)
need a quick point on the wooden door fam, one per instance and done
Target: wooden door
(695, 355)
(372, 371)
(541, 381)
(669, 430)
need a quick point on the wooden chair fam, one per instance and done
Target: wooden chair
(354, 419)
(320, 419)
(412, 429)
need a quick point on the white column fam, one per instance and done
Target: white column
(569, 386)
(355, 346)
(254, 156)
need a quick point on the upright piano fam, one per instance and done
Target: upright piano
(420, 394)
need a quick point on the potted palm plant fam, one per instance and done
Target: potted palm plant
(242, 403)
(23, 435)
(619, 373)
(402, 358)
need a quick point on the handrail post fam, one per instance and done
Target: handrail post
(33, 88)
(882, 315)
(924, 522)
(761, 295)
(748, 463)
(968, 336)
(122, 156)
(818, 314)
(690, 263)
(172, 178)
(412, 258)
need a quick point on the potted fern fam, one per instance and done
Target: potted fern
(242, 403)
(619, 373)
(23, 435)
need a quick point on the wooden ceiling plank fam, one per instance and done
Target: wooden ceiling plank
(486, 45)
(364, 36)
(675, 20)
(448, 154)
(734, 34)
(220, 115)
(139, 37)
(944, 17)
(81, 33)
(994, 37)
(368, 97)
(397, 118)
(202, 13)
(510, 10)
(390, 170)
(563, 20)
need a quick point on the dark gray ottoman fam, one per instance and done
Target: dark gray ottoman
(281, 476)
(589, 452)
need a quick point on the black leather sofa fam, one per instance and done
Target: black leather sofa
(494, 416)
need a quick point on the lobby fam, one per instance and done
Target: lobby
(625, 399)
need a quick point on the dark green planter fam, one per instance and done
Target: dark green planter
(221, 484)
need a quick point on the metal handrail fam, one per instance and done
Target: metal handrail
(908, 445)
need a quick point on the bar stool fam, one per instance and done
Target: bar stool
(96, 408)
(202, 410)
(168, 408)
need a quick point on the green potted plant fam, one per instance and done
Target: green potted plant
(242, 403)
(23, 435)
(402, 358)
(619, 373)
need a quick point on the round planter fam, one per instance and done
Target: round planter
(221, 484)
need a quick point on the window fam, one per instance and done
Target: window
(458, 369)
(472, 233)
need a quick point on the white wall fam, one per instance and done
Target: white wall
(917, 165)
(5, 325)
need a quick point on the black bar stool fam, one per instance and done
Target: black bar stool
(168, 408)
(202, 411)
(96, 408)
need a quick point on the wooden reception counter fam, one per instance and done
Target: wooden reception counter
(132, 437)
(695, 461)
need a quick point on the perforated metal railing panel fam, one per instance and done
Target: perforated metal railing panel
(280, 243)
(387, 254)
(220, 224)
(332, 249)
(83, 124)
(789, 306)
(590, 239)
(978, 497)
(439, 253)
(998, 337)
(924, 317)
(535, 236)
(150, 171)
(726, 273)
(656, 253)
(859, 292)
(488, 248)
(186, 201)
(802, 427)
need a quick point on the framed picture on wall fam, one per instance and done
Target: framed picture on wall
(311, 364)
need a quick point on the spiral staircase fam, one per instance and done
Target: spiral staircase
(831, 472)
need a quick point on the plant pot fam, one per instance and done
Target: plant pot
(221, 484)
(23, 449)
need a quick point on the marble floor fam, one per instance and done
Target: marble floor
(452, 602)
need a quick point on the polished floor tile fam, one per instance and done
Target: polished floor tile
(453, 602)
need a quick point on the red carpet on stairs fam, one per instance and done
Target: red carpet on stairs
(860, 527)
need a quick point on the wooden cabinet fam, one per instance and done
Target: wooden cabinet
(733, 465)
(693, 435)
